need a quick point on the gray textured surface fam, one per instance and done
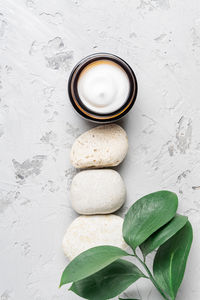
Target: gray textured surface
(40, 41)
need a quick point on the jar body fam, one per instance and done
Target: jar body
(96, 116)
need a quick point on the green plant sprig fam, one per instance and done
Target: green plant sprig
(151, 223)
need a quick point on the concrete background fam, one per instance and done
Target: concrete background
(40, 41)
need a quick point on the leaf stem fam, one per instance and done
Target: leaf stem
(151, 276)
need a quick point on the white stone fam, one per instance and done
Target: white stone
(90, 231)
(102, 146)
(99, 191)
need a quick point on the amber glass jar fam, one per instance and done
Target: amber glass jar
(96, 60)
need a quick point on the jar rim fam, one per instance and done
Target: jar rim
(85, 111)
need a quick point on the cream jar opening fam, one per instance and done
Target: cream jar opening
(102, 88)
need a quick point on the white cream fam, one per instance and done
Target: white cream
(103, 86)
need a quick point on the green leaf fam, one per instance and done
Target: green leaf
(147, 215)
(109, 282)
(163, 234)
(170, 260)
(90, 261)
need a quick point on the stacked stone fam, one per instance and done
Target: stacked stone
(97, 191)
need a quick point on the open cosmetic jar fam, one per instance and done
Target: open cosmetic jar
(102, 88)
